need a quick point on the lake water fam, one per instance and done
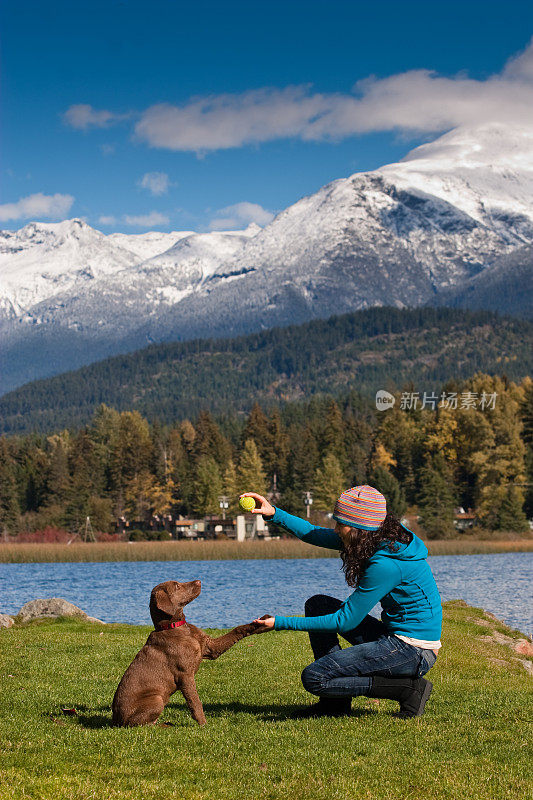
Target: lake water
(237, 591)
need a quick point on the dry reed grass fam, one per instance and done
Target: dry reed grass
(222, 550)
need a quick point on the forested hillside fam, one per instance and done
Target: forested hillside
(364, 351)
(470, 444)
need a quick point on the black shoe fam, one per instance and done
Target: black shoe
(327, 707)
(411, 693)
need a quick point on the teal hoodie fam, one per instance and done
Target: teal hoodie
(402, 581)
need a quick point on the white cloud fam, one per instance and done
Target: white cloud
(520, 67)
(147, 220)
(418, 101)
(156, 182)
(240, 215)
(83, 116)
(107, 220)
(37, 205)
(107, 149)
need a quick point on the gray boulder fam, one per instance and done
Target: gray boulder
(53, 607)
(5, 621)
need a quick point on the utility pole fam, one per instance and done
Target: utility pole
(273, 494)
(308, 501)
(223, 502)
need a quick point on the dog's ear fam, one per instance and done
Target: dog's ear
(162, 602)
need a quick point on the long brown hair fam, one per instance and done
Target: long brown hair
(362, 545)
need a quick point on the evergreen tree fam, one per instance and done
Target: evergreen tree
(32, 500)
(382, 480)
(209, 441)
(207, 487)
(276, 456)
(256, 428)
(333, 433)
(250, 473)
(401, 433)
(527, 436)
(303, 458)
(57, 482)
(103, 432)
(100, 512)
(293, 502)
(159, 456)
(358, 445)
(131, 452)
(474, 441)
(501, 461)
(137, 497)
(329, 483)
(32, 475)
(526, 411)
(188, 435)
(86, 480)
(509, 515)
(229, 488)
(436, 499)
(104, 425)
(179, 470)
(259, 429)
(528, 493)
(9, 507)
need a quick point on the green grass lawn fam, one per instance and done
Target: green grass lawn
(472, 742)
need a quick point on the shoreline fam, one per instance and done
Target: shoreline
(19, 553)
(62, 609)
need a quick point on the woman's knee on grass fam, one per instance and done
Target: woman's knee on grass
(312, 680)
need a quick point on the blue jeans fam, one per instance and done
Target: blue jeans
(348, 672)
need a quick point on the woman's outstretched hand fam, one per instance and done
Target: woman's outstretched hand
(265, 508)
(266, 622)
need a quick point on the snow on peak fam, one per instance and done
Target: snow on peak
(67, 227)
(492, 145)
(147, 245)
(485, 171)
(43, 259)
(194, 258)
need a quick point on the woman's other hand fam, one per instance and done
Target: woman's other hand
(265, 508)
(266, 622)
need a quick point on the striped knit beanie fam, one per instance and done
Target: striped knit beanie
(361, 507)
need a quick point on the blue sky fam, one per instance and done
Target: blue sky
(176, 115)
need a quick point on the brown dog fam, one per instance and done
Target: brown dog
(170, 658)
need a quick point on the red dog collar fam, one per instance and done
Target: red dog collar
(164, 626)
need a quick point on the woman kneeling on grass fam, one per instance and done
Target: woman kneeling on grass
(384, 562)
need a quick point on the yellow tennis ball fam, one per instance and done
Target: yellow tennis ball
(246, 503)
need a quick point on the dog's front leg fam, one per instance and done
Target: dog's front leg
(213, 648)
(190, 693)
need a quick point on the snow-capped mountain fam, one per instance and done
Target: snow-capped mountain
(147, 245)
(46, 259)
(405, 234)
